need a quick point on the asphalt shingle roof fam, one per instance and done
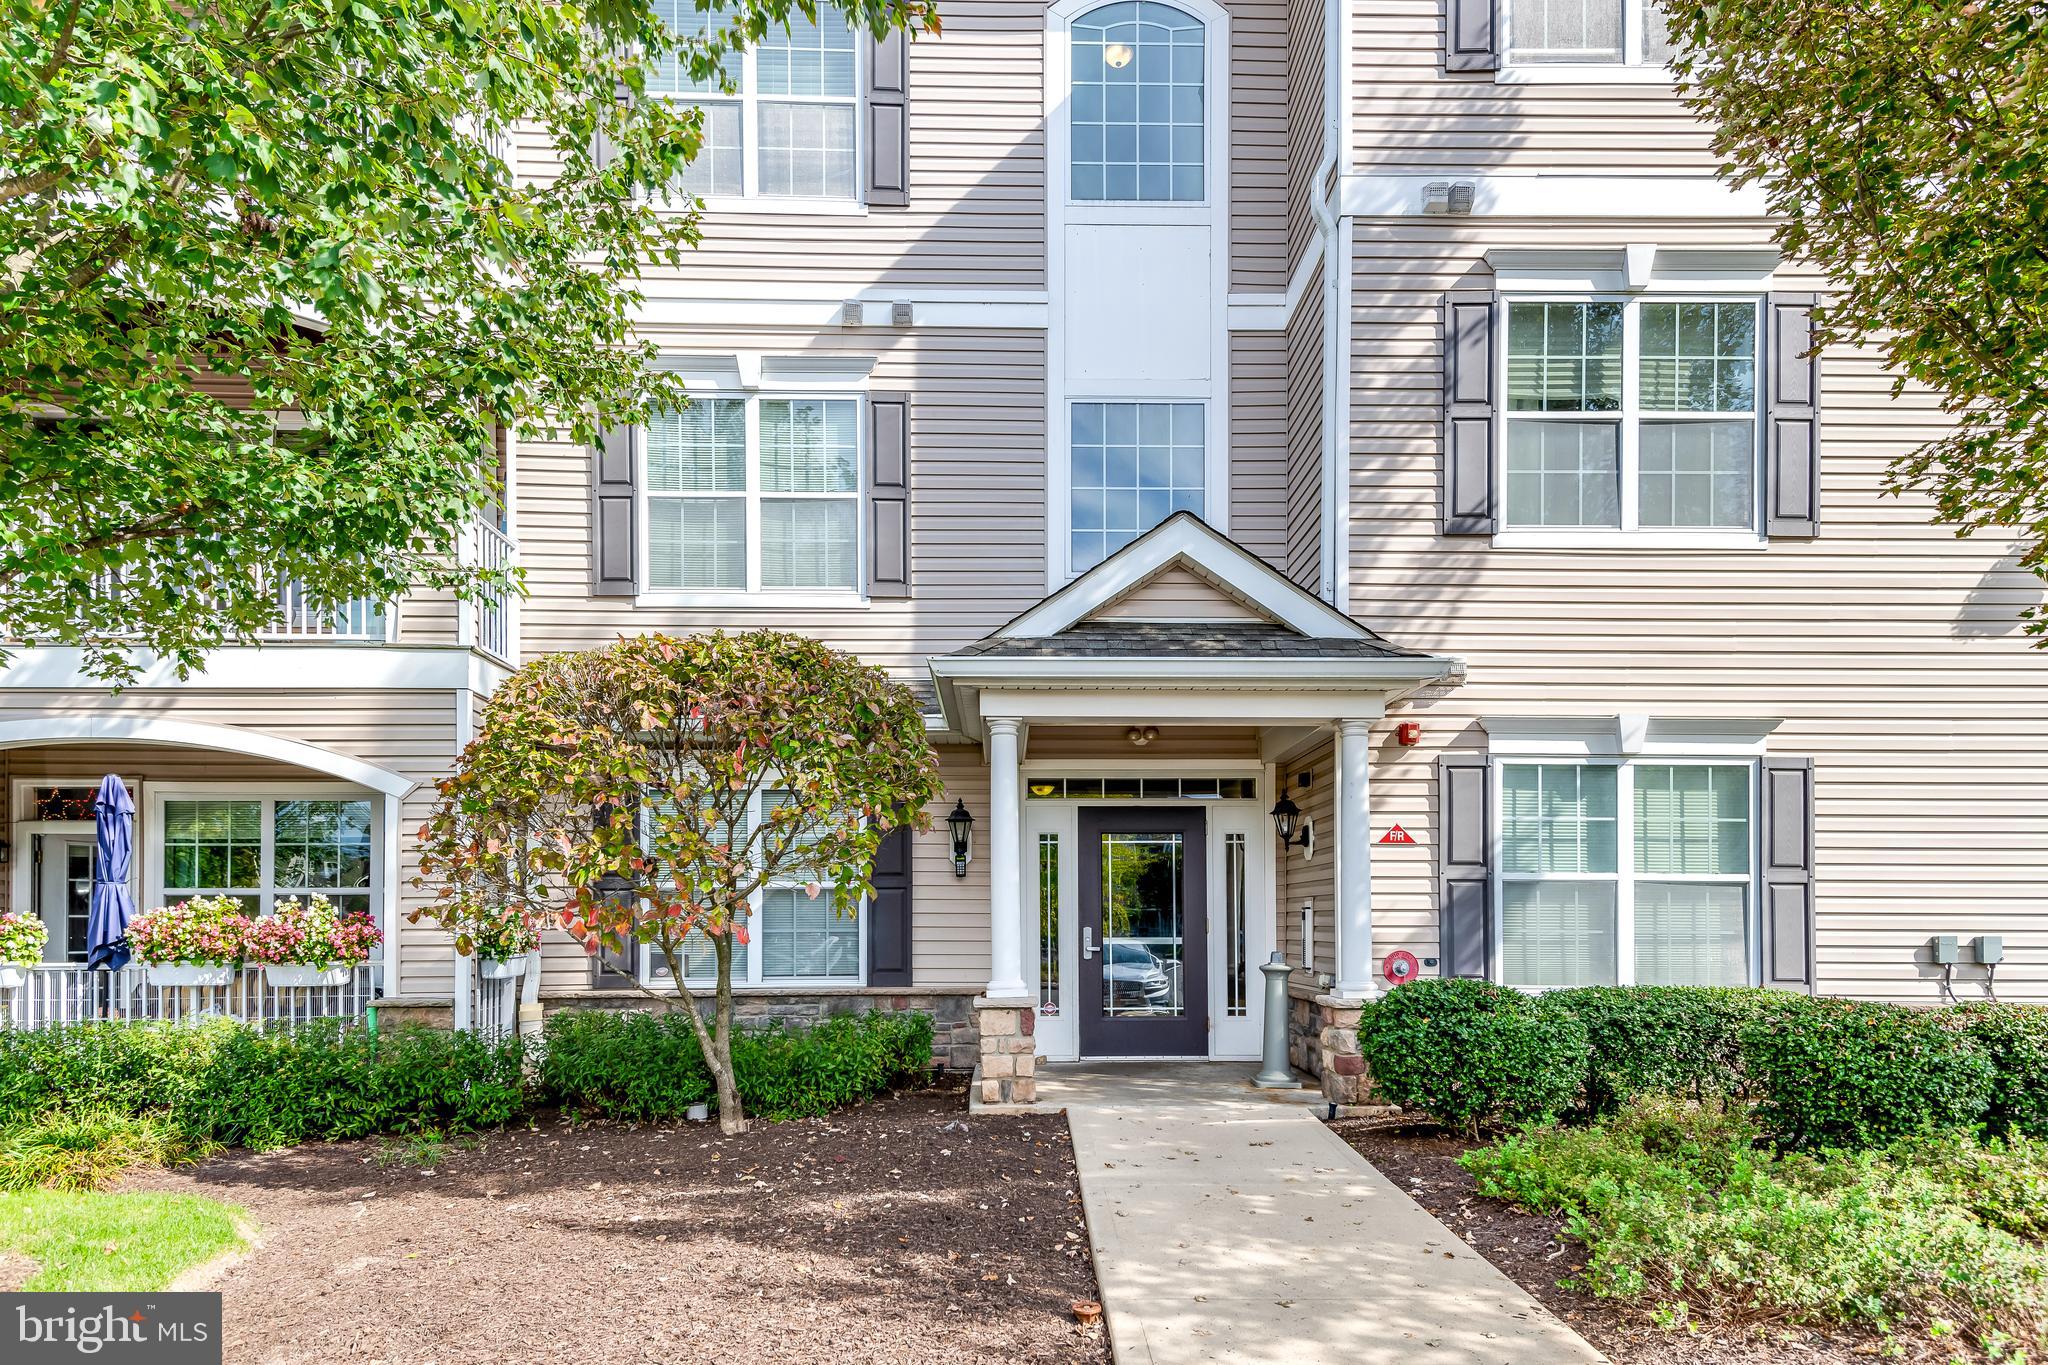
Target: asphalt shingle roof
(1183, 640)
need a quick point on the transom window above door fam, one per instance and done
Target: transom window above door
(789, 130)
(1632, 415)
(754, 494)
(1594, 32)
(1134, 465)
(1632, 873)
(1136, 107)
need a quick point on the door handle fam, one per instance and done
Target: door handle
(1087, 942)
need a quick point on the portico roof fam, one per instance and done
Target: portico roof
(1243, 643)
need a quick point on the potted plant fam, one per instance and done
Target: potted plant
(501, 945)
(194, 943)
(310, 944)
(21, 946)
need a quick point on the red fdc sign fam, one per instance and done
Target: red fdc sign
(1397, 835)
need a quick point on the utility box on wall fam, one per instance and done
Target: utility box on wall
(1989, 949)
(1946, 953)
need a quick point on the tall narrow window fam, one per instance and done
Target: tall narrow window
(1136, 104)
(1698, 424)
(697, 496)
(1134, 465)
(1564, 364)
(1692, 875)
(1558, 867)
(1236, 995)
(1049, 924)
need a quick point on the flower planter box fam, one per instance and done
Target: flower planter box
(500, 968)
(12, 975)
(298, 976)
(187, 974)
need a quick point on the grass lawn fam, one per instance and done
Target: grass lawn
(113, 1241)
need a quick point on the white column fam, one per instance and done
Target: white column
(1005, 865)
(1354, 861)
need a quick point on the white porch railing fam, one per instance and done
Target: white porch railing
(299, 618)
(63, 993)
(492, 549)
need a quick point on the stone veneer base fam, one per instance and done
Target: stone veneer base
(1007, 1073)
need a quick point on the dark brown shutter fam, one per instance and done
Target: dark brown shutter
(1471, 35)
(888, 115)
(888, 495)
(1787, 856)
(889, 911)
(614, 546)
(1469, 320)
(1791, 418)
(1464, 881)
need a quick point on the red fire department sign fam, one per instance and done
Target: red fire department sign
(1400, 966)
(1397, 835)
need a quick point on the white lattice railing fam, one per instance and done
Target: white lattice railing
(60, 993)
(493, 550)
(299, 618)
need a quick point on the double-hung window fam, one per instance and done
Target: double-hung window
(1136, 107)
(790, 129)
(262, 849)
(754, 495)
(1588, 32)
(1634, 873)
(1632, 415)
(794, 936)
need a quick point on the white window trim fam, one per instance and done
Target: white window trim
(1629, 535)
(1062, 210)
(151, 848)
(753, 978)
(754, 595)
(1633, 68)
(1624, 877)
(750, 200)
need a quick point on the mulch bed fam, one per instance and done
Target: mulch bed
(1531, 1250)
(898, 1231)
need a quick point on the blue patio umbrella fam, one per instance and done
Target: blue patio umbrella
(106, 926)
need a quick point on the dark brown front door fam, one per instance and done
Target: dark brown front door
(1144, 920)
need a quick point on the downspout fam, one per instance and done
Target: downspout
(1335, 160)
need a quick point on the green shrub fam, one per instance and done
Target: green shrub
(646, 1066)
(1676, 1040)
(1472, 1054)
(2015, 1037)
(1683, 1209)
(87, 1150)
(225, 1082)
(1848, 1073)
(625, 1066)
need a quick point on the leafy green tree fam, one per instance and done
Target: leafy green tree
(217, 211)
(648, 790)
(1904, 148)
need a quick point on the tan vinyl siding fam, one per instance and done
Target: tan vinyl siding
(1305, 437)
(976, 218)
(411, 734)
(1892, 651)
(1258, 140)
(1177, 594)
(977, 506)
(1409, 114)
(1304, 123)
(1259, 408)
(1313, 878)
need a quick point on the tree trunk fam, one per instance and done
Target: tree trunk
(715, 1042)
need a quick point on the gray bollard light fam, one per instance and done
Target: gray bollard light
(1275, 1074)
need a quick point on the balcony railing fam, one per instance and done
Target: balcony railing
(493, 550)
(299, 618)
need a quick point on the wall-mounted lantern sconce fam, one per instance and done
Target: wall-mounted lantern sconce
(960, 824)
(1294, 830)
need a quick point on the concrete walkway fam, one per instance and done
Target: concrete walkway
(1229, 1224)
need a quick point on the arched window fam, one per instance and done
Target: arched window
(1137, 107)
